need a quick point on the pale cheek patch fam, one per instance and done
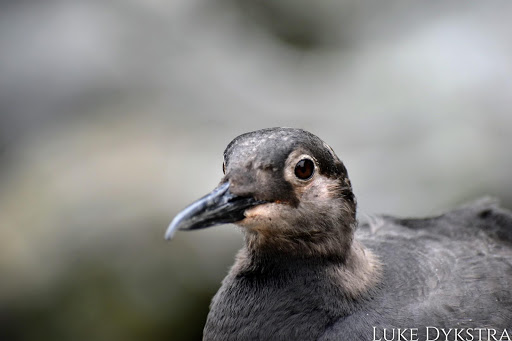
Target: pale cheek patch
(264, 217)
(261, 210)
(261, 214)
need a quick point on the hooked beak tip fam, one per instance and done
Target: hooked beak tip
(169, 233)
(174, 225)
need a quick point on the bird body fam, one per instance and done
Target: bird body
(424, 280)
(309, 271)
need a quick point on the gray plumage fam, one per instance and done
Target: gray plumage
(307, 271)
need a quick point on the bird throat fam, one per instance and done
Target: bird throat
(355, 272)
(258, 288)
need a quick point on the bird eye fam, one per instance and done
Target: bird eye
(304, 169)
(224, 168)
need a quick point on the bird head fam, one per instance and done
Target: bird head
(286, 188)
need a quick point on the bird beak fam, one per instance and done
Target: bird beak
(218, 207)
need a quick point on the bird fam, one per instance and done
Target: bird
(308, 270)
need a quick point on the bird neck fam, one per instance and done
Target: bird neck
(328, 236)
(265, 292)
(355, 272)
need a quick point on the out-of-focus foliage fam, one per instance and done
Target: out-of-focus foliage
(114, 115)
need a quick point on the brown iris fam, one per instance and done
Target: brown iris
(304, 169)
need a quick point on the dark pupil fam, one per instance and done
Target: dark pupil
(304, 169)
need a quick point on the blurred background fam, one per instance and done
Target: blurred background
(114, 116)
